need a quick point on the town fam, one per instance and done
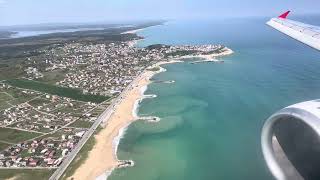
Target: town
(58, 122)
(106, 69)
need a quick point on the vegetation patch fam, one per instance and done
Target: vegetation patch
(25, 174)
(3, 146)
(3, 100)
(16, 136)
(81, 124)
(154, 69)
(75, 94)
(4, 97)
(39, 102)
(181, 53)
(51, 77)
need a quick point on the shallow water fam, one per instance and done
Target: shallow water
(211, 117)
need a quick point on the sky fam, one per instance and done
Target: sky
(21, 12)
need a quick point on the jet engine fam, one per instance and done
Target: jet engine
(290, 142)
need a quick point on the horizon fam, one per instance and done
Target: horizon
(134, 22)
(21, 13)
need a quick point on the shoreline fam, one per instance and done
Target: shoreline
(102, 159)
(133, 31)
(133, 43)
(227, 52)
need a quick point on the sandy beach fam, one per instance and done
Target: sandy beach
(102, 158)
(133, 31)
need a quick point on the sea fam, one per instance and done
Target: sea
(211, 117)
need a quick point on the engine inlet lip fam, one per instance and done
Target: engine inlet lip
(308, 112)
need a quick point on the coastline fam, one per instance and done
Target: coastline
(134, 42)
(133, 31)
(227, 52)
(102, 159)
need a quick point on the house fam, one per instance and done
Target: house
(50, 162)
(8, 163)
(52, 153)
(80, 134)
(44, 151)
(33, 163)
(23, 163)
(64, 152)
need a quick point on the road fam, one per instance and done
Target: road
(31, 168)
(103, 117)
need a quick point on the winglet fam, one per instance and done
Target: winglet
(284, 15)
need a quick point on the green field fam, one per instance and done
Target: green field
(5, 97)
(25, 174)
(75, 94)
(39, 102)
(16, 136)
(4, 105)
(81, 124)
(75, 112)
(17, 96)
(54, 76)
(3, 146)
(3, 100)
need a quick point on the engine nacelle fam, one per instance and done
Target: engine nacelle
(291, 142)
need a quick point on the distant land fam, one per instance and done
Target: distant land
(6, 34)
(17, 31)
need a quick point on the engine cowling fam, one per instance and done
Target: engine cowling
(290, 142)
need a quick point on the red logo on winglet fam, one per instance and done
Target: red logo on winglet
(284, 15)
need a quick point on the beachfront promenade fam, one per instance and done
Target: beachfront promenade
(102, 118)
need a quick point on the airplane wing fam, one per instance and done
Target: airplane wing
(305, 33)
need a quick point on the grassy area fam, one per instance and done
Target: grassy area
(72, 110)
(3, 100)
(54, 135)
(81, 124)
(18, 96)
(75, 94)
(181, 53)
(81, 157)
(25, 153)
(4, 97)
(39, 102)
(51, 77)
(3, 146)
(25, 174)
(16, 136)
(98, 111)
(4, 105)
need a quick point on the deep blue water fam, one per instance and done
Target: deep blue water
(212, 116)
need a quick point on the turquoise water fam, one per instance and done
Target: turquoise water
(211, 118)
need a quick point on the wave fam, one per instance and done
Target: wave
(122, 131)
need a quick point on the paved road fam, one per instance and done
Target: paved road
(21, 168)
(103, 117)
